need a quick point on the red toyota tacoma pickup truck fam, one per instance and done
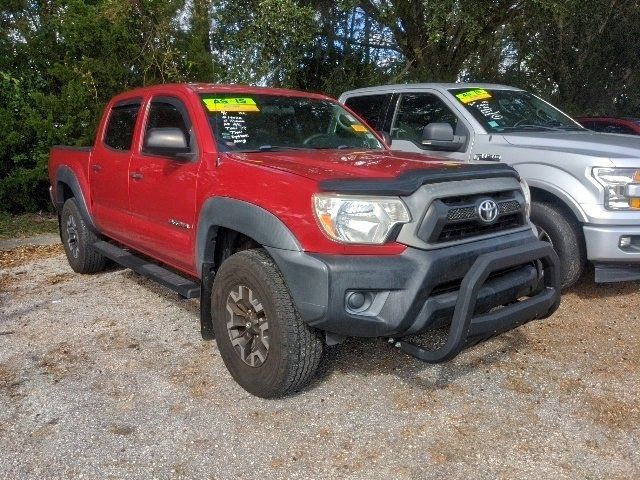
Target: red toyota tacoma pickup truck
(297, 227)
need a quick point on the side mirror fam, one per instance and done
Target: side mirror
(167, 142)
(386, 138)
(440, 136)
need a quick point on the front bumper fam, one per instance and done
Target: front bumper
(603, 243)
(420, 290)
(613, 262)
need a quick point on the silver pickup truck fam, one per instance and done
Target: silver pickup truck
(585, 186)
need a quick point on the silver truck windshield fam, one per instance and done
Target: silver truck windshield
(260, 123)
(502, 111)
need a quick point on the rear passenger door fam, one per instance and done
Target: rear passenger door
(162, 189)
(109, 169)
(374, 109)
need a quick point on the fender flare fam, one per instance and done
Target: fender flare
(568, 188)
(64, 175)
(251, 220)
(298, 269)
(563, 196)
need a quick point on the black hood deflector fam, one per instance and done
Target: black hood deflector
(410, 181)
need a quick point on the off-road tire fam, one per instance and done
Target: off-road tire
(566, 237)
(80, 253)
(295, 349)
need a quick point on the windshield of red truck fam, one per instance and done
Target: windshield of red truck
(502, 111)
(247, 122)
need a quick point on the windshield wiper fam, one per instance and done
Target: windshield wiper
(532, 127)
(270, 148)
(573, 127)
(543, 127)
(339, 147)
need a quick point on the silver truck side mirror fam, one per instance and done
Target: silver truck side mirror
(386, 138)
(440, 136)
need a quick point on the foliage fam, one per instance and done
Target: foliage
(26, 225)
(61, 60)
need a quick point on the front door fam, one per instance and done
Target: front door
(162, 189)
(415, 111)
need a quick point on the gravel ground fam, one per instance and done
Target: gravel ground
(106, 376)
(42, 239)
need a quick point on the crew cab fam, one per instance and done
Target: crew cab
(585, 186)
(297, 227)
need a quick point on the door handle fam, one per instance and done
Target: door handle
(136, 175)
(96, 168)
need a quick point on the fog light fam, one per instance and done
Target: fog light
(355, 300)
(625, 242)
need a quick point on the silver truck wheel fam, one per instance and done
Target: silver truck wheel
(556, 227)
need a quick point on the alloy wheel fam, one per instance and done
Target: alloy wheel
(72, 237)
(247, 326)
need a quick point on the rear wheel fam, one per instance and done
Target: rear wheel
(565, 236)
(265, 345)
(78, 240)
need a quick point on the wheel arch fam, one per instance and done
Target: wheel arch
(224, 219)
(68, 186)
(247, 221)
(544, 195)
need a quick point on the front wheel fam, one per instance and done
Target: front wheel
(265, 345)
(78, 240)
(564, 234)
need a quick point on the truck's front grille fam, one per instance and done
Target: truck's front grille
(459, 231)
(463, 213)
(458, 218)
(509, 206)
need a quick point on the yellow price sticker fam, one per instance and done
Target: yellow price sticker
(473, 95)
(239, 104)
(359, 128)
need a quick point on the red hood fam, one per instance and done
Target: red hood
(333, 164)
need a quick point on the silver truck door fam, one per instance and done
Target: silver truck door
(414, 111)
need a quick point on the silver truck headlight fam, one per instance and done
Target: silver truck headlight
(621, 187)
(527, 197)
(359, 219)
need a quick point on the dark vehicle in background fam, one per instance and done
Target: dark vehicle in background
(625, 126)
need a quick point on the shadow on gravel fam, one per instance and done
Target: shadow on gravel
(189, 306)
(586, 288)
(20, 312)
(377, 356)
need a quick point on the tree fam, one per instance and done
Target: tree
(437, 37)
(582, 53)
(261, 41)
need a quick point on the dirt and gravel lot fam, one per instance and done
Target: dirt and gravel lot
(105, 376)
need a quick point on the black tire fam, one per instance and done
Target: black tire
(564, 233)
(294, 349)
(77, 240)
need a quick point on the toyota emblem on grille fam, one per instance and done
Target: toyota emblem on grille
(488, 211)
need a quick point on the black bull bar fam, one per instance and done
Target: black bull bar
(466, 329)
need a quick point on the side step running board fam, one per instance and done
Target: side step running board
(187, 288)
